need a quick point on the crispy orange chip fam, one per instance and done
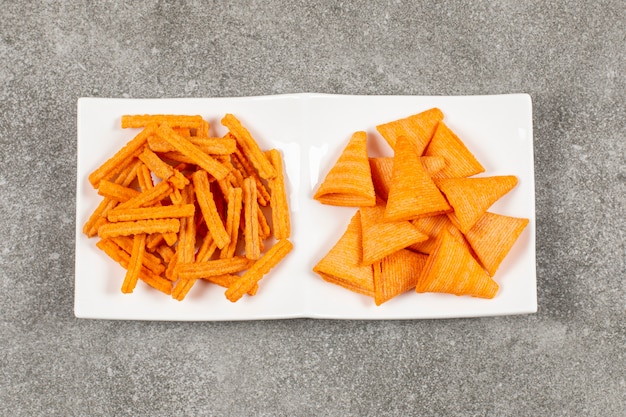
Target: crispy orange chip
(117, 160)
(251, 220)
(187, 148)
(493, 236)
(471, 197)
(381, 238)
(432, 226)
(249, 146)
(396, 274)
(156, 212)
(460, 162)
(147, 219)
(278, 198)
(258, 270)
(135, 263)
(452, 269)
(412, 193)
(343, 264)
(349, 182)
(208, 207)
(139, 226)
(141, 120)
(419, 128)
(195, 270)
(120, 256)
(382, 171)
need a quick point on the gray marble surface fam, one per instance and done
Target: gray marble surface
(566, 360)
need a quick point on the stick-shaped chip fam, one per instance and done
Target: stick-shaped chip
(187, 148)
(251, 220)
(135, 263)
(174, 120)
(259, 269)
(209, 209)
(249, 146)
(278, 198)
(122, 155)
(120, 256)
(157, 212)
(139, 226)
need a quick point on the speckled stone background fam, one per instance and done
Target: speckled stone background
(566, 360)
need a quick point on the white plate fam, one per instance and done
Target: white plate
(311, 130)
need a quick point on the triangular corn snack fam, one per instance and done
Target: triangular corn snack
(412, 192)
(432, 227)
(349, 182)
(471, 197)
(493, 236)
(382, 238)
(396, 274)
(452, 269)
(418, 127)
(382, 171)
(460, 162)
(343, 266)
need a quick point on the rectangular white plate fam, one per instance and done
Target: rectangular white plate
(311, 130)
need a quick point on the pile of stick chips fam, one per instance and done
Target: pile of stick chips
(422, 221)
(180, 205)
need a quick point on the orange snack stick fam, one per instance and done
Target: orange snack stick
(116, 161)
(418, 128)
(258, 270)
(349, 182)
(244, 168)
(185, 251)
(165, 252)
(162, 169)
(120, 256)
(396, 274)
(209, 209)
(139, 226)
(278, 198)
(380, 238)
(148, 197)
(343, 264)
(412, 192)
(227, 280)
(249, 146)
(156, 212)
(144, 178)
(492, 237)
(98, 217)
(150, 261)
(460, 162)
(198, 157)
(116, 192)
(471, 197)
(141, 120)
(207, 249)
(135, 263)
(251, 220)
(451, 269)
(233, 218)
(196, 270)
(181, 288)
